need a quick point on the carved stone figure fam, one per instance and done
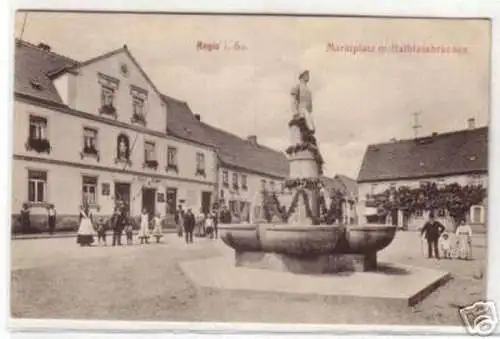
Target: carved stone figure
(302, 101)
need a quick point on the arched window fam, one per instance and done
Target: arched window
(122, 147)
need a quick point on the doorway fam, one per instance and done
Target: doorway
(149, 200)
(206, 201)
(122, 193)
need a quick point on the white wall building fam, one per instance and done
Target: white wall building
(97, 130)
(454, 157)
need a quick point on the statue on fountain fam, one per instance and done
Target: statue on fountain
(299, 237)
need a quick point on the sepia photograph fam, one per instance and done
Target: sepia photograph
(250, 168)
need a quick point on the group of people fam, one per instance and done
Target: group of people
(119, 223)
(204, 224)
(445, 244)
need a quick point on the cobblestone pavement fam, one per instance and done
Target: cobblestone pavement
(55, 278)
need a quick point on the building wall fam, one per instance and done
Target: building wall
(64, 190)
(250, 195)
(65, 165)
(415, 222)
(83, 90)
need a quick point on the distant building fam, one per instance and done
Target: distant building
(348, 187)
(245, 167)
(455, 157)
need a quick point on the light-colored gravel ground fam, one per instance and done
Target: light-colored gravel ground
(54, 278)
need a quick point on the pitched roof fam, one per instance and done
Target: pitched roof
(452, 153)
(182, 123)
(242, 153)
(33, 63)
(32, 66)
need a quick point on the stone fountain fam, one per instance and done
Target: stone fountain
(299, 242)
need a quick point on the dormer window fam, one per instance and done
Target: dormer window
(109, 85)
(36, 84)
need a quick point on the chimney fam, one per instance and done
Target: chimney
(44, 47)
(197, 117)
(252, 139)
(471, 123)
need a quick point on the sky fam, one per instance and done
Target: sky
(358, 98)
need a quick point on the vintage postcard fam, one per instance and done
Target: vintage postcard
(272, 169)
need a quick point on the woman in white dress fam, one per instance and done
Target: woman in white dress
(209, 225)
(144, 230)
(85, 236)
(464, 235)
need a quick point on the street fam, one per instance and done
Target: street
(55, 278)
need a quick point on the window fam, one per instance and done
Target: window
(476, 214)
(149, 151)
(38, 126)
(441, 213)
(172, 159)
(419, 213)
(109, 86)
(235, 180)
(393, 185)
(107, 96)
(150, 155)
(37, 186)
(225, 178)
(139, 96)
(244, 181)
(272, 185)
(263, 184)
(37, 138)
(89, 141)
(89, 190)
(200, 164)
(373, 188)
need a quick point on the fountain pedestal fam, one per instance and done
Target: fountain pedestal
(320, 264)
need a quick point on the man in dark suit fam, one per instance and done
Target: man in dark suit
(118, 221)
(189, 224)
(432, 231)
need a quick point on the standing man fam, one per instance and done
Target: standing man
(118, 223)
(432, 231)
(52, 218)
(179, 220)
(189, 224)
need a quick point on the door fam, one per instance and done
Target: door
(122, 193)
(206, 201)
(149, 200)
(171, 205)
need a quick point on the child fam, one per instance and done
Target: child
(101, 231)
(445, 245)
(209, 225)
(129, 231)
(157, 230)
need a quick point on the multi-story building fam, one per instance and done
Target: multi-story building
(245, 167)
(455, 157)
(96, 131)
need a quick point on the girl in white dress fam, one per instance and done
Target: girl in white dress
(85, 236)
(144, 230)
(464, 234)
(157, 230)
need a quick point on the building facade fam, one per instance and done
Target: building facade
(459, 157)
(244, 167)
(96, 131)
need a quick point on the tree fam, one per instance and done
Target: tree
(454, 198)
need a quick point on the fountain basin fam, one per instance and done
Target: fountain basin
(301, 240)
(241, 237)
(368, 238)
